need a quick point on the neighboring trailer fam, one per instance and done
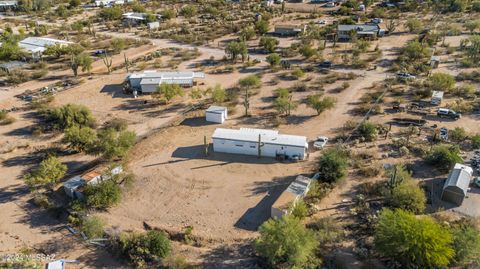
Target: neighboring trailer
(437, 98)
(295, 191)
(457, 184)
(216, 114)
(246, 141)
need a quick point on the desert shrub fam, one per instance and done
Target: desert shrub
(441, 82)
(102, 195)
(93, 227)
(370, 171)
(466, 242)
(413, 242)
(458, 134)
(368, 131)
(444, 157)
(70, 115)
(41, 200)
(299, 209)
(143, 248)
(332, 165)
(461, 106)
(49, 172)
(318, 190)
(297, 73)
(286, 243)
(407, 196)
(274, 59)
(113, 144)
(475, 141)
(117, 124)
(321, 104)
(82, 139)
(414, 25)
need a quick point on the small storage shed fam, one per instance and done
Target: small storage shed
(246, 141)
(434, 61)
(72, 187)
(437, 98)
(216, 114)
(456, 187)
(295, 191)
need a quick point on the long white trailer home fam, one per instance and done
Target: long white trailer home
(272, 144)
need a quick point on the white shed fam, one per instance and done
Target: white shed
(216, 114)
(246, 141)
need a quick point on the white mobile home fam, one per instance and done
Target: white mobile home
(246, 141)
(367, 31)
(437, 97)
(216, 114)
(289, 29)
(149, 80)
(295, 191)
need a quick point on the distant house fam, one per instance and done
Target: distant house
(134, 18)
(74, 187)
(246, 141)
(148, 81)
(11, 66)
(153, 25)
(367, 31)
(267, 3)
(216, 114)
(456, 187)
(8, 5)
(295, 191)
(289, 30)
(107, 3)
(37, 45)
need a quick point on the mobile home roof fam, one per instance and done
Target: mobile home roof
(267, 136)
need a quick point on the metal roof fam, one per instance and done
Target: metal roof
(216, 109)
(39, 44)
(298, 188)
(8, 3)
(437, 94)
(267, 136)
(167, 75)
(74, 182)
(135, 16)
(358, 27)
(459, 177)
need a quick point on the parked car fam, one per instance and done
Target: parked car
(320, 142)
(329, 4)
(444, 133)
(322, 22)
(325, 64)
(376, 21)
(99, 52)
(405, 75)
(448, 113)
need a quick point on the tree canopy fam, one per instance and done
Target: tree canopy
(332, 165)
(286, 243)
(49, 172)
(413, 241)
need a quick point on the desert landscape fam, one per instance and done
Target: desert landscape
(342, 124)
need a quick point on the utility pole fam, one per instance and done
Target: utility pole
(127, 62)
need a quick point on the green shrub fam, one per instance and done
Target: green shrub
(368, 131)
(444, 157)
(413, 242)
(70, 115)
(297, 73)
(458, 134)
(143, 248)
(476, 141)
(466, 242)
(102, 195)
(332, 165)
(93, 227)
(286, 243)
(299, 209)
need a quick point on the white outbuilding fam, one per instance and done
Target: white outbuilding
(287, 200)
(247, 141)
(216, 114)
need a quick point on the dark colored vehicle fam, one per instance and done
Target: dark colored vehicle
(325, 64)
